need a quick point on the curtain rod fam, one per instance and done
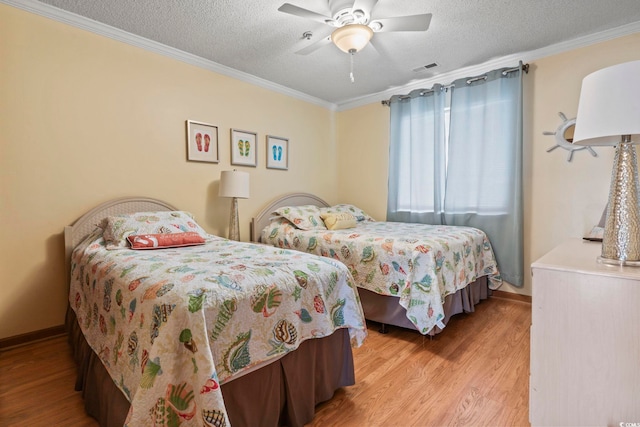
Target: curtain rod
(525, 68)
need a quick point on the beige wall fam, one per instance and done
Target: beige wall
(562, 199)
(363, 149)
(84, 119)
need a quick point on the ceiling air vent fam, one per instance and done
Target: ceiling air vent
(425, 67)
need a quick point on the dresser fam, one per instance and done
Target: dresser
(585, 340)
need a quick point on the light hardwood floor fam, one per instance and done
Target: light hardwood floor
(476, 373)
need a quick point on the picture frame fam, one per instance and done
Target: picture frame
(202, 142)
(277, 152)
(244, 148)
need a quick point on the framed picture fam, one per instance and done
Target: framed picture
(277, 152)
(244, 148)
(202, 142)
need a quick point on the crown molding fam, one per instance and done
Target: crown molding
(95, 27)
(506, 61)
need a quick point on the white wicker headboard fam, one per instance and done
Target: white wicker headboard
(260, 221)
(83, 226)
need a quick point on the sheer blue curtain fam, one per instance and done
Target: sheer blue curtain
(473, 175)
(417, 158)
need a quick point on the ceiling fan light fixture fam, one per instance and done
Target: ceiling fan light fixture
(352, 38)
(359, 16)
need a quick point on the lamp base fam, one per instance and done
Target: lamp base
(618, 262)
(234, 228)
(621, 239)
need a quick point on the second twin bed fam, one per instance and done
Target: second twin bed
(409, 275)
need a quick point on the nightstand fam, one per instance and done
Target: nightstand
(585, 339)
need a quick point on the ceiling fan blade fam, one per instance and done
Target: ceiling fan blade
(303, 13)
(315, 46)
(405, 23)
(365, 5)
(374, 47)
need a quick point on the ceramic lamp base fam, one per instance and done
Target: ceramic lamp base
(234, 228)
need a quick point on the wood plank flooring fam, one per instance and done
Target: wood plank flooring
(37, 386)
(476, 373)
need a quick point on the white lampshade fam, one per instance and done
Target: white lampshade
(352, 37)
(234, 184)
(609, 105)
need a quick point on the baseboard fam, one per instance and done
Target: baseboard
(30, 337)
(511, 296)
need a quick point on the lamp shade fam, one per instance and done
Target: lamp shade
(609, 105)
(234, 184)
(352, 37)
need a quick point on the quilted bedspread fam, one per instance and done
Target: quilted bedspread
(171, 325)
(419, 263)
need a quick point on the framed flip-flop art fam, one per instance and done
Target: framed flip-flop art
(202, 142)
(243, 148)
(277, 152)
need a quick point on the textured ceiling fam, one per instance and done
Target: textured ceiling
(257, 39)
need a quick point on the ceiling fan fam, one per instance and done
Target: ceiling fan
(354, 24)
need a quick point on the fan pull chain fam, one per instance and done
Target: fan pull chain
(352, 52)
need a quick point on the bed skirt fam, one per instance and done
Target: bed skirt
(283, 393)
(386, 310)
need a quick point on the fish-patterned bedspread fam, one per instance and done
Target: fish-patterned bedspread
(171, 325)
(419, 263)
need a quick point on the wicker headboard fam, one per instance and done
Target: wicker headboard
(260, 221)
(83, 226)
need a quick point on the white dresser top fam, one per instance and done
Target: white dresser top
(579, 255)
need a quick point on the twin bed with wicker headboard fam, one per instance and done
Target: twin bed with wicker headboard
(205, 331)
(409, 275)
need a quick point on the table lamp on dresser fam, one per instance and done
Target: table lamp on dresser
(609, 114)
(234, 184)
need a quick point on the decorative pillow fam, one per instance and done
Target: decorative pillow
(306, 217)
(118, 228)
(358, 213)
(159, 241)
(338, 221)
